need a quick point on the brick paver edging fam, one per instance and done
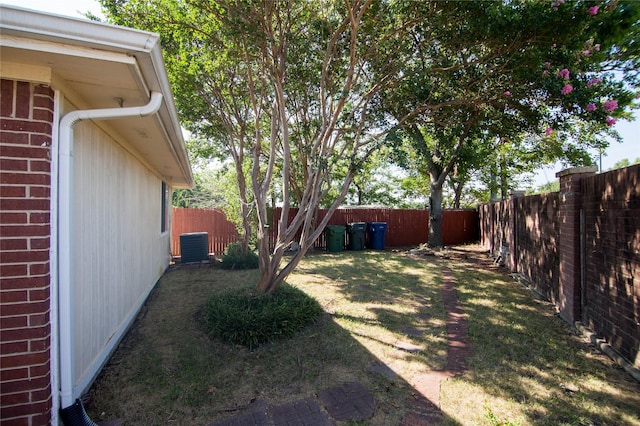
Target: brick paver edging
(427, 411)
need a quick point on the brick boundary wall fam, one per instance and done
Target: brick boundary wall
(579, 248)
(536, 233)
(26, 116)
(611, 204)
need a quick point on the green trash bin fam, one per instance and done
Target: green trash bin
(356, 232)
(335, 237)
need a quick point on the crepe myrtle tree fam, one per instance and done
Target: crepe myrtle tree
(493, 71)
(316, 60)
(285, 84)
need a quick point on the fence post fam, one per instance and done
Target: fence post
(569, 241)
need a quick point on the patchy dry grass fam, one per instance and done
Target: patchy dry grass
(526, 366)
(167, 370)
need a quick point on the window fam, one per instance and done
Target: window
(164, 225)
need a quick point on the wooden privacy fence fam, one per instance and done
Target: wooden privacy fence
(404, 227)
(212, 221)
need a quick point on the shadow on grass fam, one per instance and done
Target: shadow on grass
(168, 371)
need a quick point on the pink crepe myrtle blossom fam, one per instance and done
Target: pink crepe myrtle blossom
(611, 121)
(594, 81)
(597, 47)
(591, 107)
(507, 93)
(586, 52)
(567, 89)
(547, 65)
(563, 73)
(545, 73)
(593, 10)
(610, 105)
(548, 131)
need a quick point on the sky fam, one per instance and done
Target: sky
(630, 131)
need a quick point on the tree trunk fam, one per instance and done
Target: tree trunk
(504, 183)
(435, 215)
(457, 190)
(244, 208)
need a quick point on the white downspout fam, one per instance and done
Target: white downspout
(65, 230)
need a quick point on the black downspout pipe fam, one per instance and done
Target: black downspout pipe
(74, 415)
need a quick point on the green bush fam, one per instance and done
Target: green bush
(246, 317)
(234, 259)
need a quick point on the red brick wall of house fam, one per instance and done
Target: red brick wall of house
(26, 117)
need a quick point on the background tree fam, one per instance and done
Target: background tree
(492, 71)
(546, 187)
(625, 162)
(302, 92)
(378, 181)
(204, 195)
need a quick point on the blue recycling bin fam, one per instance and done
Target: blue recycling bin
(376, 232)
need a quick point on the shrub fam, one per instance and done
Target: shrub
(234, 259)
(246, 317)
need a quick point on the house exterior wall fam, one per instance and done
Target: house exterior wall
(26, 115)
(119, 251)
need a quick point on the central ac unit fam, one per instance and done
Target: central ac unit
(194, 247)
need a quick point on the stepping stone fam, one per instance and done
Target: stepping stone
(351, 401)
(301, 412)
(382, 370)
(407, 346)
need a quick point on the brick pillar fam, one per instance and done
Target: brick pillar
(569, 241)
(26, 116)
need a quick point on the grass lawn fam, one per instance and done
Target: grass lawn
(526, 367)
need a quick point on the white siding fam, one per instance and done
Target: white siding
(119, 252)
